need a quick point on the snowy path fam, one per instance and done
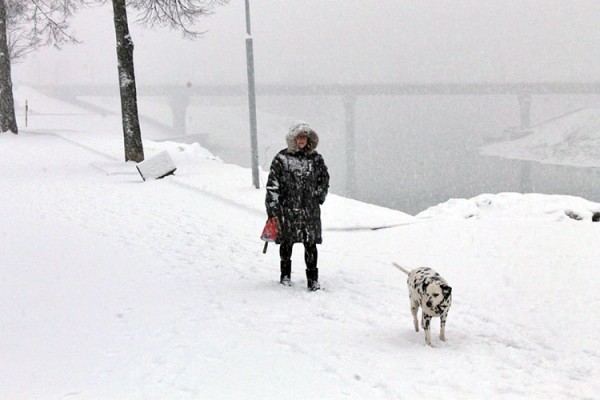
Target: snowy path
(116, 288)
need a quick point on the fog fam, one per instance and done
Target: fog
(411, 151)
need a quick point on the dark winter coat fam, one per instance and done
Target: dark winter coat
(297, 187)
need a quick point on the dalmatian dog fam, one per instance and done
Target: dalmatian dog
(428, 290)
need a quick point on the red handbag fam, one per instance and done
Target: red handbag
(270, 232)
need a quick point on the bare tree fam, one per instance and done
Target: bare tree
(134, 150)
(8, 120)
(176, 14)
(26, 25)
(36, 23)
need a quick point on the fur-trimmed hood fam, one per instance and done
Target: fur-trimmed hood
(297, 128)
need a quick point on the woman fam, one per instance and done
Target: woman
(297, 187)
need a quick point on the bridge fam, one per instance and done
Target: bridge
(179, 97)
(399, 89)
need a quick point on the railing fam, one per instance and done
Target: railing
(336, 89)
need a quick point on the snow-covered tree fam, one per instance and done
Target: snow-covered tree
(177, 14)
(8, 120)
(26, 25)
(132, 136)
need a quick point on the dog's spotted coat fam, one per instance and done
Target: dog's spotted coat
(428, 290)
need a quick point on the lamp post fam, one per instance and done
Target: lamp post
(251, 99)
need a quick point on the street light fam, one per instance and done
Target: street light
(251, 98)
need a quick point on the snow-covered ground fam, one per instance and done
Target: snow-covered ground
(115, 288)
(572, 139)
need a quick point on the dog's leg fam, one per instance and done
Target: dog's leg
(414, 308)
(426, 321)
(443, 326)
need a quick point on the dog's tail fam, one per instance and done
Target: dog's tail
(401, 268)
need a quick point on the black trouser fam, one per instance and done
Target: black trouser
(310, 253)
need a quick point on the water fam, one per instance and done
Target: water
(411, 152)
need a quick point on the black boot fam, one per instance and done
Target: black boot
(286, 273)
(312, 279)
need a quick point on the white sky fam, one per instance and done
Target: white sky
(345, 41)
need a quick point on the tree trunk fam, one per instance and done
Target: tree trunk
(134, 151)
(8, 121)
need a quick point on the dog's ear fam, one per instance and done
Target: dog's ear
(424, 285)
(446, 290)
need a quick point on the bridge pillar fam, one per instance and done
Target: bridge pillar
(179, 104)
(350, 111)
(525, 181)
(525, 105)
